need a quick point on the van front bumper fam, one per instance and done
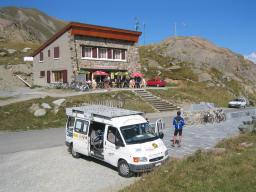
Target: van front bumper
(146, 167)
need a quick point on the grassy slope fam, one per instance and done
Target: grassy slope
(17, 116)
(196, 92)
(233, 171)
(17, 57)
(147, 53)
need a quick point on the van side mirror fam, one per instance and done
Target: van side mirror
(161, 135)
(119, 143)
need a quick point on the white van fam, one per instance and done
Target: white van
(120, 137)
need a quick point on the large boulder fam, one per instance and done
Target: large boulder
(26, 49)
(40, 113)
(246, 145)
(34, 107)
(3, 54)
(46, 106)
(58, 102)
(11, 51)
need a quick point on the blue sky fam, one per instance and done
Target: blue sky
(227, 23)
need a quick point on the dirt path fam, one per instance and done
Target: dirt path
(25, 93)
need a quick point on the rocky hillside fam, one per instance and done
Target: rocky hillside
(27, 25)
(199, 60)
(23, 28)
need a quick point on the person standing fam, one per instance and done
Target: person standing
(178, 123)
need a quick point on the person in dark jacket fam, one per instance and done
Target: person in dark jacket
(178, 123)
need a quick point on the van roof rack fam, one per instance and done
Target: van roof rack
(100, 111)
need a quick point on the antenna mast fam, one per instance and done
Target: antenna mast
(175, 29)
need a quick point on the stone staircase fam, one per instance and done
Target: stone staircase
(158, 103)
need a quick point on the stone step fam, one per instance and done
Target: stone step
(147, 95)
(160, 107)
(155, 101)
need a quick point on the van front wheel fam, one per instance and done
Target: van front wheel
(123, 169)
(74, 153)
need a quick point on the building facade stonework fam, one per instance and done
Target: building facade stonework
(77, 50)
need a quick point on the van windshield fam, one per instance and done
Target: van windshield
(138, 133)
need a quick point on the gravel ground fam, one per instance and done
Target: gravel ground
(54, 169)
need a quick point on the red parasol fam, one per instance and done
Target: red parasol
(100, 73)
(137, 74)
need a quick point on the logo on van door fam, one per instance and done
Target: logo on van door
(75, 135)
(154, 145)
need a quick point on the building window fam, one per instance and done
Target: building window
(86, 52)
(57, 76)
(49, 53)
(42, 73)
(56, 52)
(117, 54)
(41, 56)
(102, 53)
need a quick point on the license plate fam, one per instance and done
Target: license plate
(158, 164)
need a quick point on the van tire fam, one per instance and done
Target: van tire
(74, 153)
(124, 169)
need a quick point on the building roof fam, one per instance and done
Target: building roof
(93, 31)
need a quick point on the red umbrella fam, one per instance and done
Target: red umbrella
(100, 73)
(137, 74)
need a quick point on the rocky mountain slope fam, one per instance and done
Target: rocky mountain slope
(27, 25)
(24, 28)
(198, 60)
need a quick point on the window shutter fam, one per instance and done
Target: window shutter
(65, 76)
(56, 52)
(110, 56)
(83, 53)
(41, 56)
(94, 52)
(48, 77)
(123, 54)
(42, 73)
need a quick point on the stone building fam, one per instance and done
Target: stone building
(81, 49)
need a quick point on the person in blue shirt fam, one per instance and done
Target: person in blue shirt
(178, 123)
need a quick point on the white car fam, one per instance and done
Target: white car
(238, 103)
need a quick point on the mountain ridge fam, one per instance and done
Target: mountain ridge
(37, 25)
(24, 28)
(200, 60)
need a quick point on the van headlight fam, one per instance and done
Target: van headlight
(140, 159)
(166, 152)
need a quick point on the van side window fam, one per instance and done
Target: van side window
(81, 126)
(113, 135)
(71, 122)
